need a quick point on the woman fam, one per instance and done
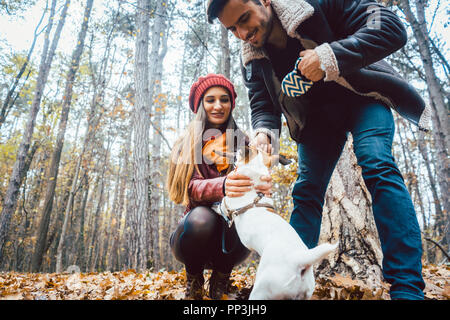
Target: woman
(197, 178)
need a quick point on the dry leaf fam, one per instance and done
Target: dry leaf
(170, 285)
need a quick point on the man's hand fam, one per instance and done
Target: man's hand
(262, 142)
(310, 65)
(266, 187)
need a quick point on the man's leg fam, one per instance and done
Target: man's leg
(318, 154)
(373, 130)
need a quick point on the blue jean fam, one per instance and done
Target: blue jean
(372, 126)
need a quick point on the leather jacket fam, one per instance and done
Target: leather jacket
(350, 51)
(206, 187)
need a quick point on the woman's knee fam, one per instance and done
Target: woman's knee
(195, 235)
(201, 220)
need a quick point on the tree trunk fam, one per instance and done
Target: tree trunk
(81, 258)
(12, 193)
(115, 220)
(24, 222)
(96, 226)
(412, 180)
(157, 54)
(125, 252)
(64, 118)
(441, 131)
(112, 229)
(180, 106)
(118, 242)
(425, 152)
(347, 217)
(226, 59)
(54, 166)
(138, 231)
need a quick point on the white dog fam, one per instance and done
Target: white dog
(285, 270)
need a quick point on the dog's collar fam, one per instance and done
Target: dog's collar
(229, 214)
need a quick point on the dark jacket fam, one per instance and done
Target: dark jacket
(350, 50)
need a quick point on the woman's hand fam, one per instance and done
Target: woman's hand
(237, 185)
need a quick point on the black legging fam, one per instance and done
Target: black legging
(197, 242)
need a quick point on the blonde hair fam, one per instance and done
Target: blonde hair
(186, 155)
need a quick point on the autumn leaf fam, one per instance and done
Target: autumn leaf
(170, 285)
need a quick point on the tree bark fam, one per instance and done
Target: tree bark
(347, 217)
(440, 109)
(157, 54)
(138, 231)
(91, 261)
(81, 257)
(76, 57)
(226, 59)
(425, 152)
(412, 180)
(24, 224)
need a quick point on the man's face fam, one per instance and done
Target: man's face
(248, 21)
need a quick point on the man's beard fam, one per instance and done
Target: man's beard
(267, 26)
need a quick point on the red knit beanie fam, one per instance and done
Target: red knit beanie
(204, 83)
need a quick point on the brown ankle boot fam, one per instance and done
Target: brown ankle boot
(219, 284)
(194, 286)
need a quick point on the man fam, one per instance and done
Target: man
(342, 44)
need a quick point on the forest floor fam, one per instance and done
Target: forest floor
(169, 285)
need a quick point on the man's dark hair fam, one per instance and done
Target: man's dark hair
(216, 6)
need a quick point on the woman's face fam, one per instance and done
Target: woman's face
(217, 104)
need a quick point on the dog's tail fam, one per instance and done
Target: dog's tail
(316, 254)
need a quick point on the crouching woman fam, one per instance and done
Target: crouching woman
(197, 178)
